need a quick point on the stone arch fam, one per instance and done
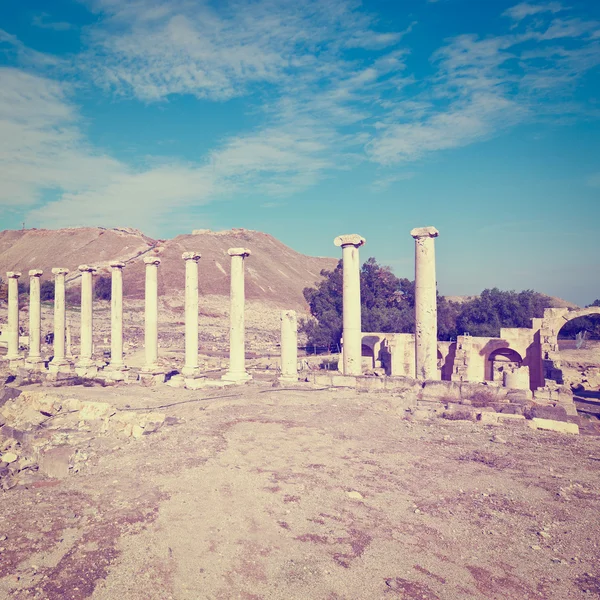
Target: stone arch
(503, 360)
(552, 322)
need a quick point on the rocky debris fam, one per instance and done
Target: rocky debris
(44, 434)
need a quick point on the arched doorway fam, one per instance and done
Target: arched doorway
(501, 361)
(553, 321)
(579, 352)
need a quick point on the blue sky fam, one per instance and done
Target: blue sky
(308, 119)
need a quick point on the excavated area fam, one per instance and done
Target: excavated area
(260, 492)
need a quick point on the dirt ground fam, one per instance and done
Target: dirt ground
(258, 492)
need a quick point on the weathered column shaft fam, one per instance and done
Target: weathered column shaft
(13, 315)
(352, 336)
(191, 313)
(237, 340)
(60, 317)
(86, 339)
(116, 315)
(289, 346)
(35, 317)
(151, 314)
(425, 303)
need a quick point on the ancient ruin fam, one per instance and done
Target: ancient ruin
(521, 363)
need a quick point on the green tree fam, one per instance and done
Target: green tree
(47, 290)
(387, 306)
(494, 308)
(102, 288)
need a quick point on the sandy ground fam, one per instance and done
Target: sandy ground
(268, 493)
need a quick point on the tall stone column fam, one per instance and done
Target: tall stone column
(13, 316)
(191, 368)
(86, 339)
(151, 315)
(352, 342)
(116, 316)
(425, 303)
(237, 341)
(34, 357)
(60, 321)
(289, 347)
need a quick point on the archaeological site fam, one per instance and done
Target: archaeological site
(178, 439)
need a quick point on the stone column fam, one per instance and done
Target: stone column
(86, 340)
(425, 304)
(352, 355)
(60, 321)
(151, 316)
(13, 316)
(191, 368)
(34, 357)
(237, 342)
(289, 347)
(116, 316)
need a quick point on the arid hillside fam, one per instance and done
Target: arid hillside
(274, 273)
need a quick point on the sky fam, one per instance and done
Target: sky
(314, 118)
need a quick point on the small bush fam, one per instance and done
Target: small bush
(47, 290)
(102, 288)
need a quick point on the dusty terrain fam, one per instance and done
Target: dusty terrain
(260, 492)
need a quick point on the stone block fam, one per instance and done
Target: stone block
(509, 417)
(550, 425)
(56, 462)
(343, 381)
(95, 410)
(552, 412)
(488, 418)
(441, 389)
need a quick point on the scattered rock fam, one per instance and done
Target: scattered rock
(9, 457)
(498, 439)
(355, 495)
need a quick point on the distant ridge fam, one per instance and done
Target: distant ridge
(274, 272)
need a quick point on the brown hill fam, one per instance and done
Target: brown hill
(274, 272)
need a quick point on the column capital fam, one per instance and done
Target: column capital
(238, 252)
(152, 260)
(421, 232)
(116, 264)
(60, 271)
(87, 268)
(195, 256)
(13, 274)
(349, 239)
(36, 273)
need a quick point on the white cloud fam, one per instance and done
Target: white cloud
(43, 21)
(526, 9)
(319, 105)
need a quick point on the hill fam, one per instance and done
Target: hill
(274, 272)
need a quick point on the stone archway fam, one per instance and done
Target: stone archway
(501, 361)
(552, 322)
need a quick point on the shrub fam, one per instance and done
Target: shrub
(102, 288)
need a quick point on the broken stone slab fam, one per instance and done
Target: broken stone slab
(56, 462)
(550, 425)
(552, 412)
(95, 410)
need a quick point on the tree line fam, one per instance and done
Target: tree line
(388, 302)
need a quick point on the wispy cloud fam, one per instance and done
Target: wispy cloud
(44, 21)
(526, 9)
(320, 105)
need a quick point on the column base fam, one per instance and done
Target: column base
(16, 362)
(191, 372)
(60, 366)
(236, 376)
(86, 371)
(116, 373)
(151, 375)
(35, 363)
(288, 379)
